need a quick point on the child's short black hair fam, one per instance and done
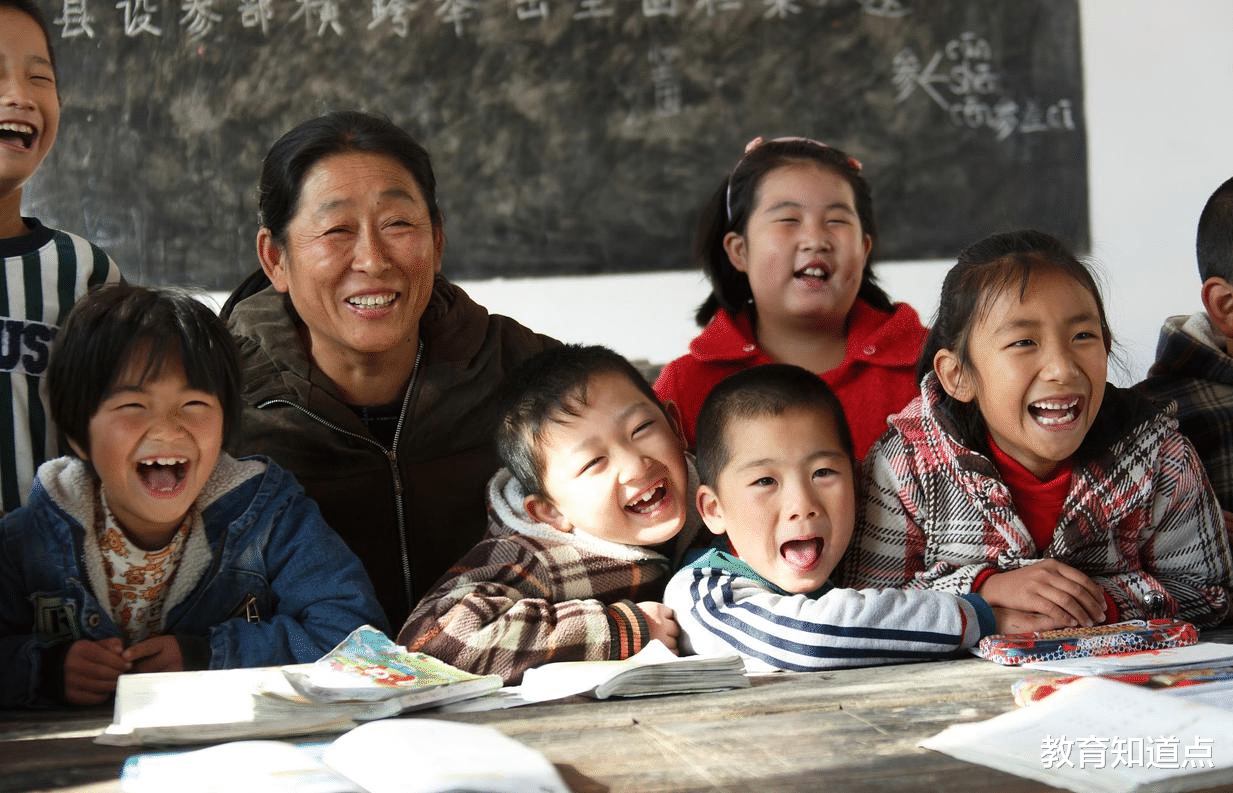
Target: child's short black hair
(114, 323)
(767, 390)
(31, 10)
(1214, 238)
(547, 387)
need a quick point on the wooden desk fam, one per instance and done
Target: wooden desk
(848, 730)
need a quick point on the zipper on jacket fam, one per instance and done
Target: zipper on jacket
(391, 456)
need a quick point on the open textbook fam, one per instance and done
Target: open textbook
(365, 677)
(653, 670)
(1102, 736)
(392, 756)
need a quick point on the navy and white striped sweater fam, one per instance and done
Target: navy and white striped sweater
(724, 606)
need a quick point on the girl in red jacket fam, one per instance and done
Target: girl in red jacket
(786, 241)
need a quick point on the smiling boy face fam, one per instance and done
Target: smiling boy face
(616, 470)
(786, 497)
(29, 104)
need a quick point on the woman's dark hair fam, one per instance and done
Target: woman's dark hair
(986, 269)
(114, 323)
(732, 202)
(294, 154)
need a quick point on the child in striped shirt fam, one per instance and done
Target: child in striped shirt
(45, 270)
(775, 461)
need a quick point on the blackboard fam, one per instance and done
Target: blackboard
(569, 136)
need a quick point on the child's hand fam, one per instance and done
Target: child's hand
(157, 654)
(662, 622)
(1051, 588)
(91, 669)
(1016, 621)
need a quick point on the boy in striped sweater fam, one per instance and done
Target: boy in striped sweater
(45, 270)
(775, 462)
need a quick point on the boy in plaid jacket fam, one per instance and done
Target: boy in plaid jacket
(589, 516)
(1194, 358)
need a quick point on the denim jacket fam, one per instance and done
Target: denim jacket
(277, 584)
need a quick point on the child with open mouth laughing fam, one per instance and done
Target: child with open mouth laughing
(775, 461)
(151, 549)
(1019, 473)
(588, 518)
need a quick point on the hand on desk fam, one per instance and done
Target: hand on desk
(156, 654)
(91, 668)
(1016, 621)
(662, 622)
(1050, 588)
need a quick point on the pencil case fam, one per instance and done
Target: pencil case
(1132, 636)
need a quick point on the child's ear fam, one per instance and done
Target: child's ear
(542, 510)
(271, 256)
(949, 369)
(1218, 302)
(77, 450)
(710, 509)
(734, 244)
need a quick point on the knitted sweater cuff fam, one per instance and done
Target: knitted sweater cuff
(627, 628)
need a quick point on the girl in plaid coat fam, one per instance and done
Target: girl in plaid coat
(1020, 474)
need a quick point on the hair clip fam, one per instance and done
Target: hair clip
(758, 142)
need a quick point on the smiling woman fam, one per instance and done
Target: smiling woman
(367, 373)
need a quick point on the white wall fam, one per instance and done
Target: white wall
(1159, 96)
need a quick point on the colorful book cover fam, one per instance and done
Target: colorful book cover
(368, 666)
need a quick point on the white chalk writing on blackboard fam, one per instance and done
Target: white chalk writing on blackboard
(964, 70)
(396, 12)
(325, 12)
(456, 12)
(593, 9)
(655, 8)
(710, 7)
(139, 18)
(256, 13)
(780, 9)
(75, 20)
(884, 8)
(199, 18)
(666, 82)
(530, 9)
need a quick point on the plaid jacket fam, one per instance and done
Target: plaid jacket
(1140, 518)
(528, 594)
(1193, 370)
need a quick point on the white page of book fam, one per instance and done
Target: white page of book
(1102, 735)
